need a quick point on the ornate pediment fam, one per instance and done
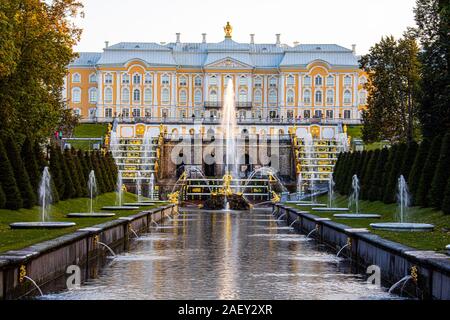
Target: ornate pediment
(228, 63)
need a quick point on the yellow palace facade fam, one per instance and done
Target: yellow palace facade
(180, 81)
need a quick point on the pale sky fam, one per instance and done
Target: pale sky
(344, 22)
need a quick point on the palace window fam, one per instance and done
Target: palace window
(108, 78)
(125, 78)
(347, 114)
(148, 78)
(76, 95)
(148, 113)
(108, 112)
(165, 96)
(290, 114)
(329, 114)
(258, 82)
(125, 112)
(125, 95)
(165, 79)
(290, 96)
(182, 81)
(290, 80)
(198, 81)
(363, 80)
(136, 113)
(318, 114)
(362, 97)
(307, 81)
(258, 96)
(92, 78)
(272, 97)
(213, 80)
(136, 95)
(272, 82)
(318, 80)
(307, 114)
(330, 97)
(318, 97)
(93, 95)
(307, 97)
(243, 80)
(76, 78)
(330, 81)
(183, 97)
(347, 97)
(76, 112)
(137, 79)
(198, 97)
(108, 95)
(92, 113)
(347, 80)
(165, 113)
(243, 96)
(213, 96)
(148, 96)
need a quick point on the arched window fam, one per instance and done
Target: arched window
(330, 81)
(258, 96)
(198, 97)
(108, 78)
(137, 79)
(290, 80)
(93, 95)
(136, 113)
(108, 112)
(92, 78)
(307, 80)
(290, 96)
(198, 81)
(272, 82)
(307, 97)
(76, 78)
(243, 96)
(347, 114)
(148, 95)
(125, 95)
(213, 96)
(148, 78)
(183, 81)
(362, 97)
(363, 80)
(125, 112)
(76, 95)
(318, 97)
(347, 97)
(258, 82)
(108, 95)
(329, 114)
(347, 80)
(137, 95)
(243, 80)
(330, 97)
(125, 78)
(165, 96)
(183, 97)
(92, 113)
(213, 80)
(273, 97)
(318, 81)
(165, 79)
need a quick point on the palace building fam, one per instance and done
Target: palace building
(179, 81)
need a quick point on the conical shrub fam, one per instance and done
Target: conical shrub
(417, 168)
(56, 173)
(376, 186)
(369, 174)
(8, 182)
(391, 188)
(446, 202)
(409, 158)
(31, 165)
(2, 198)
(441, 175)
(78, 189)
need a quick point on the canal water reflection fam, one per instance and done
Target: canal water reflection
(233, 255)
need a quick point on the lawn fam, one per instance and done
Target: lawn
(88, 130)
(17, 239)
(436, 240)
(355, 131)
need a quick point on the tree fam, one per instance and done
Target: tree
(393, 87)
(427, 174)
(8, 182)
(70, 162)
(36, 45)
(2, 198)
(433, 21)
(441, 174)
(80, 172)
(416, 170)
(20, 173)
(31, 165)
(56, 173)
(375, 191)
(394, 174)
(369, 174)
(69, 187)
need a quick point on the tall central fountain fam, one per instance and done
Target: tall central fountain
(229, 125)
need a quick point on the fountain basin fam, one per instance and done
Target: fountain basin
(119, 208)
(41, 225)
(448, 249)
(153, 201)
(139, 204)
(298, 202)
(91, 215)
(330, 209)
(357, 216)
(406, 227)
(311, 204)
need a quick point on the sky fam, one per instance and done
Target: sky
(344, 22)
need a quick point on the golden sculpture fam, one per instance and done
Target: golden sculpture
(228, 30)
(345, 128)
(227, 184)
(275, 197)
(174, 197)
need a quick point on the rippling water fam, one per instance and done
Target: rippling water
(225, 256)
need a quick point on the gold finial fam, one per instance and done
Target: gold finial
(345, 128)
(228, 30)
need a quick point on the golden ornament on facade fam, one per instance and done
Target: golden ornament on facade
(22, 273)
(228, 30)
(140, 129)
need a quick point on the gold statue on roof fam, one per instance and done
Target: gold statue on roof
(228, 30)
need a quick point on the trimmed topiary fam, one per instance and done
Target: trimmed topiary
(78, 189)
(385, 179)
(31, 165)
(441, 175)
(426, 177)
(2, 198)
(56, 173)
(410, 156)
(369, 174)
(69, 188)
(446, 202)
(376, 186)
(80, 171)
(356, 158)
(390, 193)
(20, 173)
(417, 168)
(98, 172)
(8, 182)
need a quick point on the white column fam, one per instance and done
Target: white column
(337, 93)
(99, 111)
(118, 93)
(155, 95)
(174, 95)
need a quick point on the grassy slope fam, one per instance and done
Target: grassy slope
(16, 239)
(436, 240)
(88, 130)
(355, 131)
